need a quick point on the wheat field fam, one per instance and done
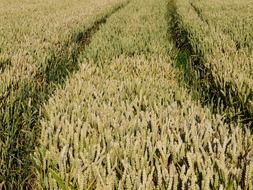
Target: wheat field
(126, 94)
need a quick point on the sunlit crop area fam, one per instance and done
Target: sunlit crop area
(39, 45)
(126, 94)
(228, 57)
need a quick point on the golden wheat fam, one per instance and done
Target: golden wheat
(122, 121)
(229, 66)
(39, 45)
(28, 37)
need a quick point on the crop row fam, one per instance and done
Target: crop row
(123, 122)
(30, 37)
(230, 68)
(232, 18)
(40, 42)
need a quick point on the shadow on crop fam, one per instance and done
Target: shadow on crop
(20, 109)
(199, 79)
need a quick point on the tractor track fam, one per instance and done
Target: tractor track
(200, 80)
(21, 106)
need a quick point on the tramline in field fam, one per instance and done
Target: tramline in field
(123, 121)
(107, 94)
(230, 66)
(39, 45)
